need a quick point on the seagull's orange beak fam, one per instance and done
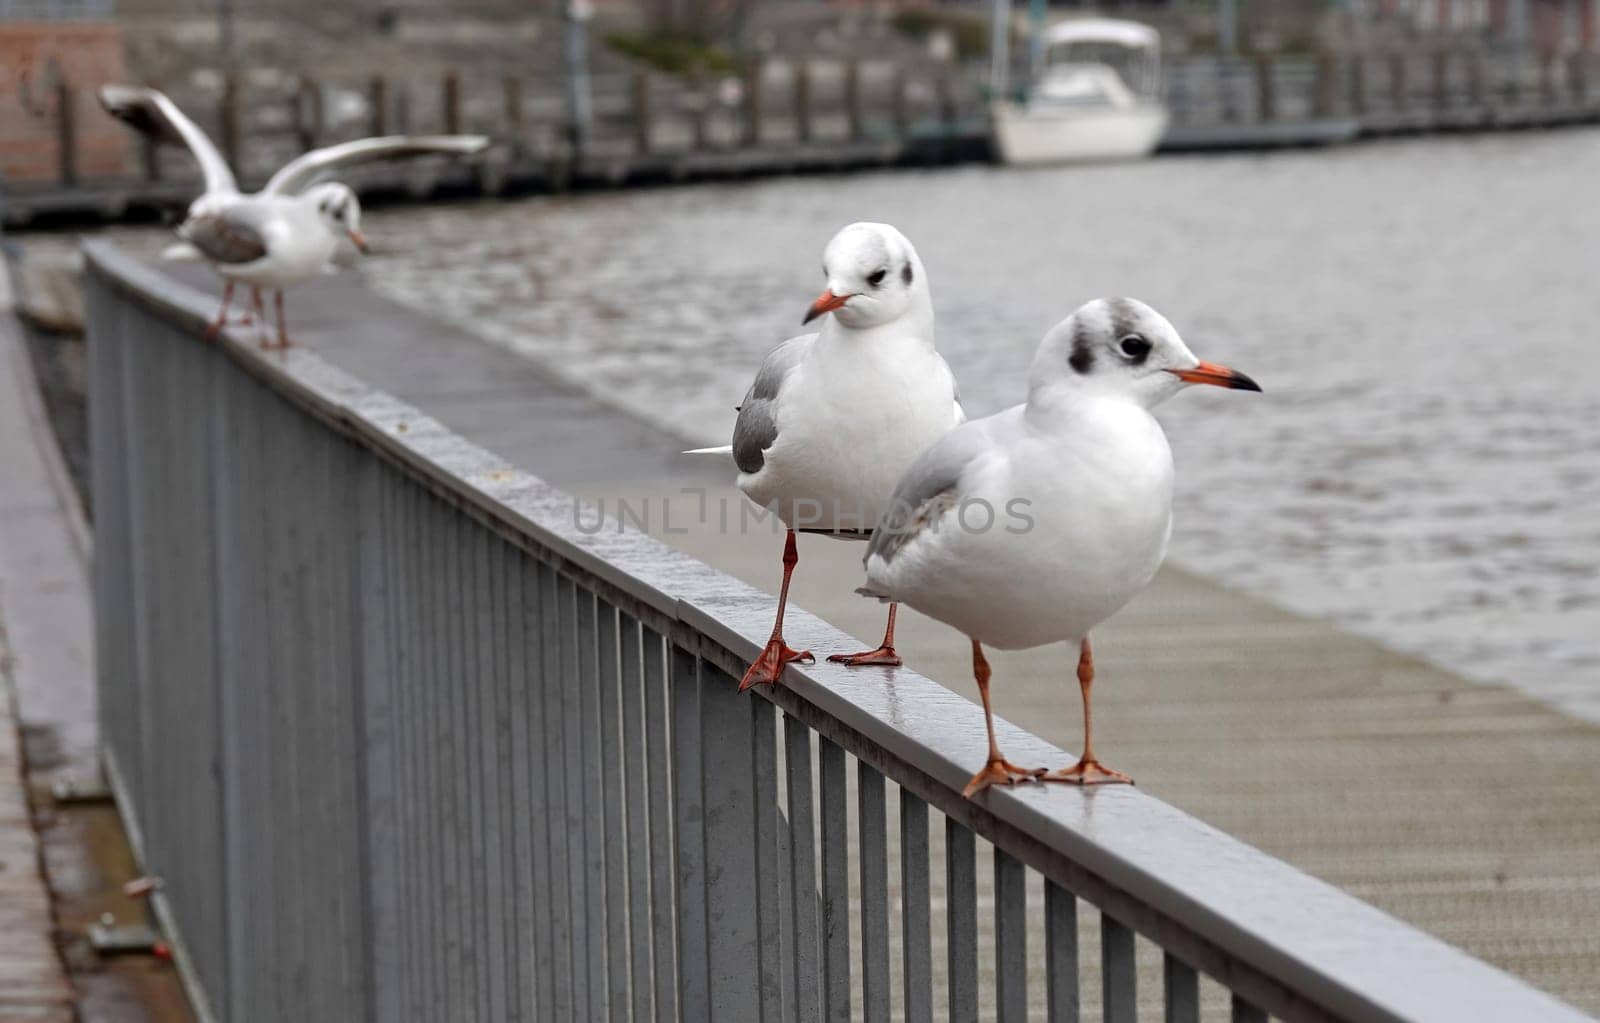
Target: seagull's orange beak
(360, 240)
(826, 302)
(1217, 376)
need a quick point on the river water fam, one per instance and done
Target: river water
(1423, 468)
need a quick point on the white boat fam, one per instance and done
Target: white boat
(1095, 95)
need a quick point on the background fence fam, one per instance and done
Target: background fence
(406, 743)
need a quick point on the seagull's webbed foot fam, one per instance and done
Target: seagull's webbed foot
(768, 668)
(1088, 771)
(1000, 771)
(883, 656)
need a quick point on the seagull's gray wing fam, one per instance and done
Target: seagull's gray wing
(757, 425)
(304, 170)
(151, 113)
(929, 488)
(955, 390)
(230, 233)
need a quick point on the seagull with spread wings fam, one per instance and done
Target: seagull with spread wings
(288, 231)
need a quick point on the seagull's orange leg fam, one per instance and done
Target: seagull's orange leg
(283, 342)
(884, 655)
(222, 314)
(1088, 770)
(768, 668)
(998, 770)
(261, 319)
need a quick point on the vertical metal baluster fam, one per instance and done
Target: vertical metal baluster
(498, 891)
(525, 803)
(593, 821)
(874, 842)
(727, 718)
(770, 854)
(835, 884)
(915, 911)
(616, 868)
(663, 800)
(637, 783)
(961, 909)
(474, 649)
(803, 904)
(1181, 988)
(1244, 1012)
(1061, 952)
(559, 657)
(459, 703)
(1118, 977)
(570, 689)
(1010, 938)
(688, 829)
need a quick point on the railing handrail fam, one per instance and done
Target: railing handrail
(1293, 945)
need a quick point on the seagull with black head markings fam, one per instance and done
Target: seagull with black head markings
(287, 232)
(1036, 524)
(834, 418)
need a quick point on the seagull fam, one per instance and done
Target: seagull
(833, 418)
(288, 231)
(1036, 524)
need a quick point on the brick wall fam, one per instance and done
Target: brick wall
(34, 57)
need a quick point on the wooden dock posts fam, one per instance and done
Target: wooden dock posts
(802, 102)
(451, 102)
(378, 105)
(641, 112)
(67, 132)
(1266, 96)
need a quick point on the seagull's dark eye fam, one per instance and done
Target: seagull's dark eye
(1135, 348)
(876, 277)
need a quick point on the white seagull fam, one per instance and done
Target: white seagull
(288, 231)
(834, 418)
(1036, 524)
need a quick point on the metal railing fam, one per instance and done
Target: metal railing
(406, 744)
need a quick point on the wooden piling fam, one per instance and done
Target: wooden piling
(902, 108)
(230, 122)
(1266, 96)
(752, 103)
(641, 112)
(307, 110)
(1397, 80)
(852, 99)
(1441, 79)
(378, 105)
(66, 133)
(512, 89)
(1358, 84)
(1325, 89)
(452, 102)
(802, 102)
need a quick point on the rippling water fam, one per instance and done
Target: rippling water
(1425, 464)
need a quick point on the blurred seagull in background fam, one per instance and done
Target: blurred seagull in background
(833, 418)
(1073, 499)
(288, 231)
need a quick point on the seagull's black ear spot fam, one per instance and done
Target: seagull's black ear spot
(1082, 357)
(905, 273)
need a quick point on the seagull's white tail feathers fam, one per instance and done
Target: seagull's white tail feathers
(725, 449)
(181, 251)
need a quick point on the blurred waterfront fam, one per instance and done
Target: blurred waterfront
(1422, 468)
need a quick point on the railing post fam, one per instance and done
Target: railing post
(378, 105)
(802, 102)
(752, 103)
(1266, 99)
(452, 102)
(852, 98)
(66, 134)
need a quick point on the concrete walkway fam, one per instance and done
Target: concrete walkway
(33, 980)
(1468, 810)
